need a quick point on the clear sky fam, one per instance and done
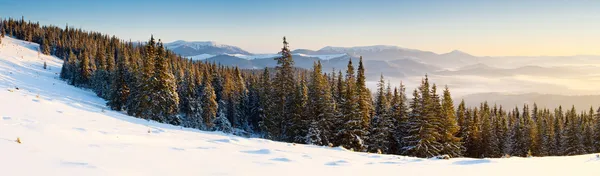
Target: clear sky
(479, 27)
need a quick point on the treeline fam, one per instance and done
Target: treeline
(311, 107)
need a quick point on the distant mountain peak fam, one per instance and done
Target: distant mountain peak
(371, 48)
(197, 44)
(458, 52)
(193, 48)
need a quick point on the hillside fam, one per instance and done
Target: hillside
(69, 131)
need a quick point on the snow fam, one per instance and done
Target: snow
(374, 48)
(69, 131)
(255, 56)
(201, 56)
(266, 56)
(323, 56)
(197, 45)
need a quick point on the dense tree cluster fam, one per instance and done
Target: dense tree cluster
(294, 105)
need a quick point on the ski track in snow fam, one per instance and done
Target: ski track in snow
(69, 131)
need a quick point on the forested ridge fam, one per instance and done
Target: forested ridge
(304, 106)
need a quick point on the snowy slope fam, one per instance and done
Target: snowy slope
(68, 131)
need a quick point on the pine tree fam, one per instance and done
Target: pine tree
(399, 116)
(45, 47)
(144, 86)
(379, 139)
(266, 104)
(298, 130)
(322, 108)
(572, 134)
(189, 102)
(587, 131)
(473, 135)
(423, 135)
(489, 140)
(119, 91)
(352, 134)
(364, 96)
(164, 93)
(501, 128)
(85, 70)
(597, 130)
(452, 145)
(283, 89)
(558, 132)
(209, 103)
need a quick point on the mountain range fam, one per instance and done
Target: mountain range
(509, 81)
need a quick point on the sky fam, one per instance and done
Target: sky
(478, 27)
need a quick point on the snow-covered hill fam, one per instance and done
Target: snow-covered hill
(69, 131)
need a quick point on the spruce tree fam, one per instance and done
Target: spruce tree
(423, 134)
(119, 91)
(452, 145)
(322, 108)
(145, 86)
(189, 102)
(85, 70)
(45, 47)
(399, 116)
(352, 134)
(299, 122)
(379, 139)
(283, 89)
(489, 140)
(164, 96)
(597, 130)
(364, 96)
(572, 134)
(473, 139)
(266, 105)
(209, 103)
(558, 147)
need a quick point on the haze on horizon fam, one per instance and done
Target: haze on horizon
(481, 28)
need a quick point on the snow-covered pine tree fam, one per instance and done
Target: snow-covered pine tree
(588, 131)
(501, 128)
(297, 131)
(85, 72)
(352, 134)
(119, 91)
(379, 139)
(597, 130)
(284, 84)
(45, 47)
(572, 134)
(165, 101)
(321, 105)
(142, 103)
(364, 101)
(209, 103)
(423, 137)
(189, 101)
(399, 116)
(489, 140)
(558, 148)
(266, 104)
(452, 145)
(473, 140)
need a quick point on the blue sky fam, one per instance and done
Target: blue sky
(479, 27)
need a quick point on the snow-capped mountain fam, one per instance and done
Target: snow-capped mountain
(373, 48)
(186, 48)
